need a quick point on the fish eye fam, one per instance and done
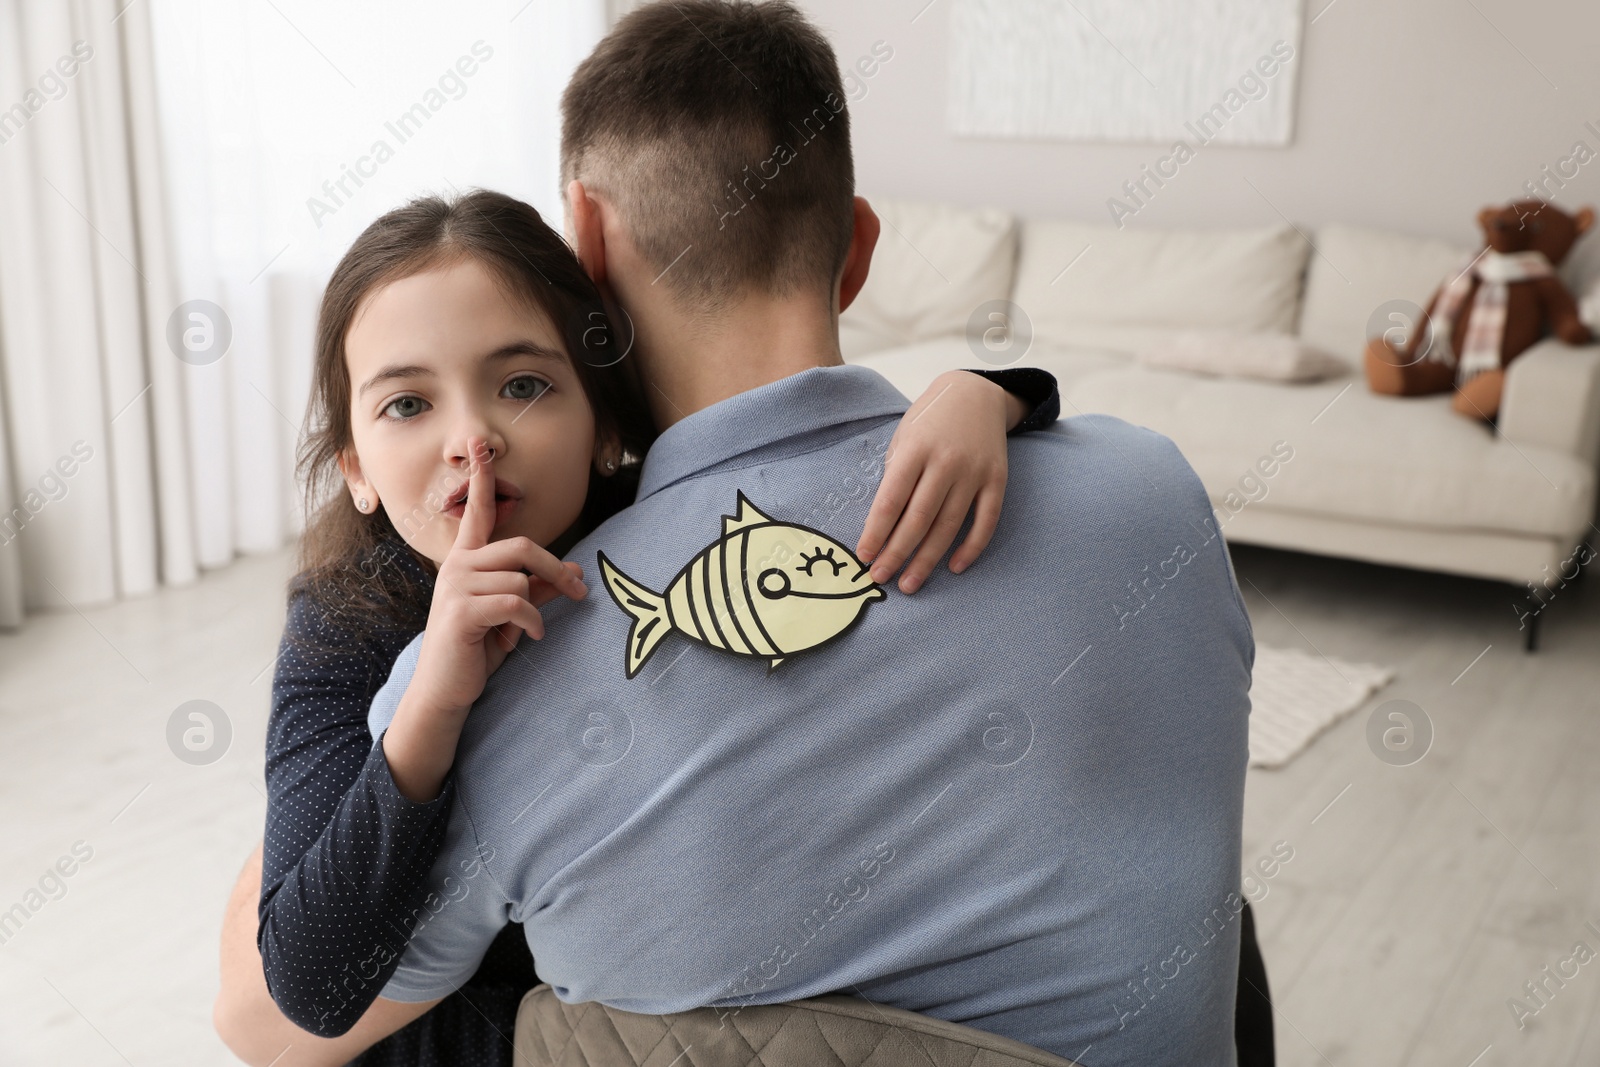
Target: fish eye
(773, 583)
(824, 555)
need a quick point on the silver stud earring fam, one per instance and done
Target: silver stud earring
(611, 464)
(362, 504)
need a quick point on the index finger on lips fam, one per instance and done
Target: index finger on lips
(477, 519)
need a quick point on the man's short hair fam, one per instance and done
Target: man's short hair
(718, 130)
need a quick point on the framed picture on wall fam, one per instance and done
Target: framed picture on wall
(1125, 70)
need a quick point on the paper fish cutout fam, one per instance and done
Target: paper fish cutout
(764, 589)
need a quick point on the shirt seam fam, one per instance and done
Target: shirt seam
(477, 849)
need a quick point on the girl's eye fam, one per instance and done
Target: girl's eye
(526, 387)
(413, 409)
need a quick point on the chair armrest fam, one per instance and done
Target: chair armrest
(1552, 399)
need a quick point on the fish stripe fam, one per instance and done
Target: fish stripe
(672, 621)
(744, 572)
(684, 588)
(710, 603)
(716, 566)
(725, 559)
(702, 603)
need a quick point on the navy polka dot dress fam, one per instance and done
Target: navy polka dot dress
(346, 855)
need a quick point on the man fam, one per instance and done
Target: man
(750, 774)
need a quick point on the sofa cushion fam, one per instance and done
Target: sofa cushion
(1279, 357)
(911, 368)
(1356, 271)
(1098, 286)
(1356, 455)
(933, 266)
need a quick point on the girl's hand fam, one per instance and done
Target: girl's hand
(948, 454)
(485, 598)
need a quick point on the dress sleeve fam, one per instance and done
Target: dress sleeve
(346, 856)
(1032, 386)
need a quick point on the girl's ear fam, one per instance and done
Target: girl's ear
(361, 490)
(607, 454)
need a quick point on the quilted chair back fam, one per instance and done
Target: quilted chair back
(828, 1031)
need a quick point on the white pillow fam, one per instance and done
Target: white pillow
(1094, 285)
(934, 265)
(1273, 357)
(1358, 271)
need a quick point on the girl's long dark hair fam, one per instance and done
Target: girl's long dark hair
(346, 558)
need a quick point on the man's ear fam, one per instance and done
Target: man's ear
(863, 239)
(1583, 220)
(588, 236)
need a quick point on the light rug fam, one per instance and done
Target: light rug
(1295, 695)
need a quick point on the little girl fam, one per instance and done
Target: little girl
(509, 380)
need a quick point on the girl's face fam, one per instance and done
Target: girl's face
(439, 358)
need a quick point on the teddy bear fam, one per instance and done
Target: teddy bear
(1489, 312)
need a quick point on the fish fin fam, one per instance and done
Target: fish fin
(772, 665)
(747, 516)
(648, 610)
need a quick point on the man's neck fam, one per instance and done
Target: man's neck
(689, 362)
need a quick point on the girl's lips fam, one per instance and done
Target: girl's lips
(502, 489)
(503, 507)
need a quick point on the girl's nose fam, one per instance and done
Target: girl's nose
(461, 452)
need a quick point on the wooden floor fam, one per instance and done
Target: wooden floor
(1420, 899)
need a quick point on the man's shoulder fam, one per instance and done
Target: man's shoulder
(1092, 429)
(1093, 447)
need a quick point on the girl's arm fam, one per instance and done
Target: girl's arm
(353, 828)
(248, 1020)
(486, 597)
(345, 855)
(948, 456)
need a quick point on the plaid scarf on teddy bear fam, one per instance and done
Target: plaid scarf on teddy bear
(1494, 271)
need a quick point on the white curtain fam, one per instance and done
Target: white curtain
(169, 212)
(93, 499)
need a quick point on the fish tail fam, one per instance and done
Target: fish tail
(648, 610)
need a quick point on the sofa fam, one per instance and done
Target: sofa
(1400, 481)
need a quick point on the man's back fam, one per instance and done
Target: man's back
(1012, 800)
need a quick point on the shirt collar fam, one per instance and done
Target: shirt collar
(811, 400)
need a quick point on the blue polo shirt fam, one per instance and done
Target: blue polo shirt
(1012, 800)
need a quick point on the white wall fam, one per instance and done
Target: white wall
(1412, 115)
